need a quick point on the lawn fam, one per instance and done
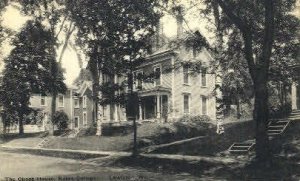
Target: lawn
(285, 161)
(214, 143)
(148, 134)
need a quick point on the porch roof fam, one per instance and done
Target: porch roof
(158, 90)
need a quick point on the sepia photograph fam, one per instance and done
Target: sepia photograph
(150, 90)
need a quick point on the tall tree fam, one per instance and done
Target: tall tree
(257, 22)
(115, 40)
(26, 70)
(51, 11)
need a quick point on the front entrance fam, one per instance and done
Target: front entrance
(154, 107)
(76, 122)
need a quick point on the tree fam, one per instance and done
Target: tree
(26, 71)
(257, 23)
(51, 12)
(115, 40)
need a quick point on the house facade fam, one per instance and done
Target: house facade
(83, 106)
(42, 103)
(177, 89)
(76, 103)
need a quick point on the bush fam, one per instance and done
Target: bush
(198, 118)
(61, 120)
(280, 111)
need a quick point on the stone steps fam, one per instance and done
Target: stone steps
(275, 128)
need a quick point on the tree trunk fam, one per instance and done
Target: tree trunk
(53, 109)
(238, 108)
(21, 127)
(263, 153)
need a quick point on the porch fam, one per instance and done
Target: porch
(154, 104)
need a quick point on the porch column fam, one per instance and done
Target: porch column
(294, 96)
(140, 110)
(158, 106)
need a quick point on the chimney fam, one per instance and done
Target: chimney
(159, 32)
(178, 10)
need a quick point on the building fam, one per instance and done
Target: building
(42, 103)
(83, 106)
(76, 103)
(177, 89)
(168, 84)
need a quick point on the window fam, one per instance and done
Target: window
(61, 101)
(204, 105)
(139, 81)
(84, 119)
(84, 101)
(76, 102)
(43, 101)
(186, 106)
(185, 74)
(203, 77)
(157, 76)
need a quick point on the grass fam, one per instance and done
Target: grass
(214, 143)
(148, 134)
(285, 163)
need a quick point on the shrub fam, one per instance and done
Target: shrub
(280, 111)
(61, 120)
(198, 118)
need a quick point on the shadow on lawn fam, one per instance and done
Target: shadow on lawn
(282, 168)
(11, 136)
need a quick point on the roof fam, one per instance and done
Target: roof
(158, 90)
(84, 86)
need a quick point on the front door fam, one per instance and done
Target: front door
(76, 122)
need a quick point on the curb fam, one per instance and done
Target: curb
(63, 153)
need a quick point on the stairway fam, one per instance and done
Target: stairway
(275, 128)
(295, 115)
(43, 142)
(242, 147)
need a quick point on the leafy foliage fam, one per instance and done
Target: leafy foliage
(25, 70)
(61, 120)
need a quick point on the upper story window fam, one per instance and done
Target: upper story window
(76, 102)
(43, 100)
(185, 74)
(61, 101)
(139, 80)
(203, 77)
(84, 101)
(157, 76)
(186, 103)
